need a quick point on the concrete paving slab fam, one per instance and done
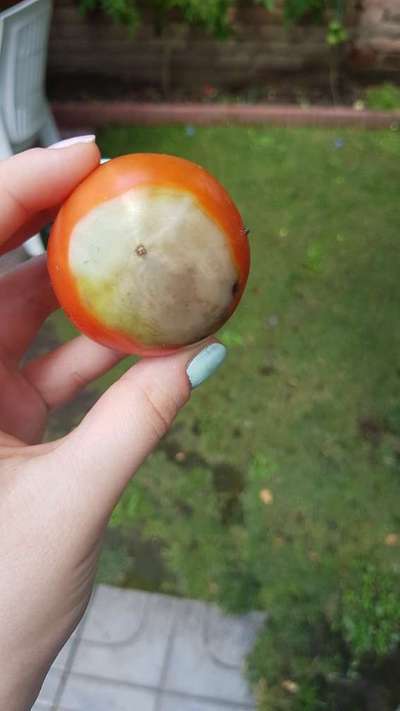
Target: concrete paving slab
(125, 636)
(207, 654)
(180, 703)
(116, 616)
(82, 694)
(137, 651)
(44, 706)
(49, 689)
(64, 655)
(230, 638)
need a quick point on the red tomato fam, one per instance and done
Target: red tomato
(148, 254)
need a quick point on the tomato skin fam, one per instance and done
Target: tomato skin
(114, 179)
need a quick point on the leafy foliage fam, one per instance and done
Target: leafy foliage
(123, 11)
(213, 15)
(216, 15)
(325, 656)
(384, 98)
(368, 617)
(296, 10)
(337, 34)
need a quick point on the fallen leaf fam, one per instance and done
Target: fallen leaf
(266, 496)
(290, 686)
(392, 539)
(180, 456)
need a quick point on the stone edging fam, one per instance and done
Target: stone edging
(78, 114)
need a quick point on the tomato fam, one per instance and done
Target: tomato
(148, 254)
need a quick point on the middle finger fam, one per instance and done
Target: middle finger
(26, 300)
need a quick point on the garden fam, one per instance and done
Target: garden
(278, 487)
(301, 52)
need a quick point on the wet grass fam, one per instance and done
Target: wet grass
(312, 381)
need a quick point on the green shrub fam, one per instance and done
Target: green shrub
(368, 616)
(383, 98)
(122, 11)
(216, 15)
(213, 15)
(296, 10)
(292, 657)
(312, 659)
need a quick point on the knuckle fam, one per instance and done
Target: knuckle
(161, 407)
(78, 381)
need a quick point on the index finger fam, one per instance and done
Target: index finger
(38, 180)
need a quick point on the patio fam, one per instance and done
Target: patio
(148, 652)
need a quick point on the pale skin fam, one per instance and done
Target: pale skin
(56, 498)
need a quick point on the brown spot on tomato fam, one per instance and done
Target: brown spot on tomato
(141, 250)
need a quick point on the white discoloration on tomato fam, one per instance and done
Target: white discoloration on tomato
(152, 264)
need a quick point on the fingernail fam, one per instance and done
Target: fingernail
(90, 138)
(205, 363)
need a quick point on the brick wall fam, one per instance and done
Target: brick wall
(261, 45)
(378, 34)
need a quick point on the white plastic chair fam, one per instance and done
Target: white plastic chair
(25, 116)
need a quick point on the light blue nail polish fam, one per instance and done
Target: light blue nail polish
(205, 363)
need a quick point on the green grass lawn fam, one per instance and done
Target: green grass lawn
(307, 407)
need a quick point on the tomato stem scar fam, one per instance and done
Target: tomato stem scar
(141, 250)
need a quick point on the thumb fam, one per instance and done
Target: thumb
(100, 456)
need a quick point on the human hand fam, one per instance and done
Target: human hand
(56, 497)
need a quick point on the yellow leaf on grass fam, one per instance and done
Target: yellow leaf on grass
(290, 686)
(266, 496)
(391, 539)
